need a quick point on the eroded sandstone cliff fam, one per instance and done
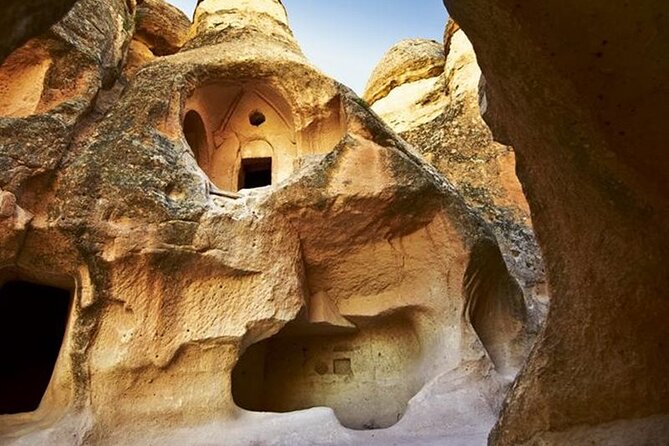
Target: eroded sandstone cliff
(430, 98)
(238, 239)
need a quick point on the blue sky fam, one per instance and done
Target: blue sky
(347, 38)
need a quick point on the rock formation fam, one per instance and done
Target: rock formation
(160, 30)
(431, 99)
(23, 19)
(579, 89)
(161, 27)
(234, 238)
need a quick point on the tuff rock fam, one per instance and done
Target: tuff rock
(243, 251)
(430, 97)
(205, 240)
(579, 90)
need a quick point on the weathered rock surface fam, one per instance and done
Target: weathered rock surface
(239, 235)
(408, 61)
(579, 89)
(48, 86)
(160, 30)
(161, 27)
(22, 20)
(435, 108)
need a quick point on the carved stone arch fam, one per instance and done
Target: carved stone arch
(240, 119)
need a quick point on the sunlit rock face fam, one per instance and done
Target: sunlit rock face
(160, 30)
(430, 97)
(244, 252)
(579, 89)
(405, 86)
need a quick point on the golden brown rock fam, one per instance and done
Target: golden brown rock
(407, 62)
(236, 234)
(160, 30)
(579, 89)
(437, 112)
(161, 27)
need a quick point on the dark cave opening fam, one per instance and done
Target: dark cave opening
(257, 119)
(33, 319)
(496, 307)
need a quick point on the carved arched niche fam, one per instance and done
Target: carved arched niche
(242, 135)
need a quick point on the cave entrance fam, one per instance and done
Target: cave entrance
(367, 375)
(33, 319)
(255, 172)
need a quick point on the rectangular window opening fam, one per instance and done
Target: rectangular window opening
(255, 172)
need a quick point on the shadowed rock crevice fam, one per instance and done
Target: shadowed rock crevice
(22, 20)
(196, 135)
(496, 308)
